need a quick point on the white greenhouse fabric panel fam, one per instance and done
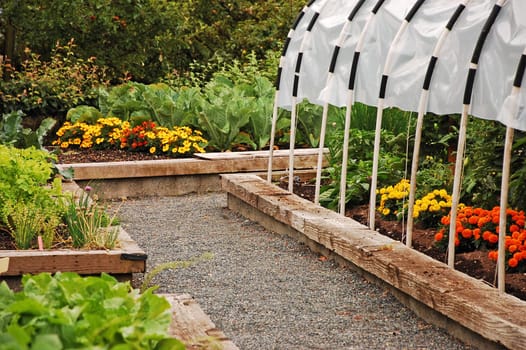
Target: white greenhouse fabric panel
(411, 56)
(335, 93)
(497, 64)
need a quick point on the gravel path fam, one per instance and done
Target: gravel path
(266, 291)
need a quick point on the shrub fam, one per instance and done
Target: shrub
(50, 88)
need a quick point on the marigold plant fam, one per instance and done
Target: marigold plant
(478, 228)
(432, 207)
(117, 134)
(392, 199)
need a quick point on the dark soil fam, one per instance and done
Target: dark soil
(475, 264)
(109, 155)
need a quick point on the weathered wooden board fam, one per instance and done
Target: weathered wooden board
(280, 153)
(496, 316)
(193, 327)
(127, 258)
(208, 163)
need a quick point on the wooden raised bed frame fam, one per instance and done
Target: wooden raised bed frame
(121, 262)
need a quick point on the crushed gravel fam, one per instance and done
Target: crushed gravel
(267, 291)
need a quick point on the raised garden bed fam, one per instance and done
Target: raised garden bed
(122, 262)
(142, 178)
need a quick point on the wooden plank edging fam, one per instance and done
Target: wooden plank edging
(468, 301)
(201, 164)
(193, 327)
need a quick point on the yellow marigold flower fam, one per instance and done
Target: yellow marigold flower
(166, 147)
(76, 141)
(64, 145)
(152, 150)
(99, 140)
(386, 211)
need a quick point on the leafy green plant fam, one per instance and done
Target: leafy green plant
(25, 222)
(87, 222)
(224, 111)
(28, 206)
(66, 311)
(26, 177)
(136, 102)
(12, 131)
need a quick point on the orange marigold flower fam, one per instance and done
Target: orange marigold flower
(445, 220)
(467, 233)
(486, 234)
(439, 235)
(518, 256)
(473, 220)
(493, 238)
(512, 248)
(493, 255)
(495, 219)
(523, 254)
(514, 228)
(476, 233)
(513, 262)
(457, 242)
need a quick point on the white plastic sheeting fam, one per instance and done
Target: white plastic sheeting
(497, 64)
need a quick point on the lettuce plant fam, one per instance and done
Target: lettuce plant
(66, 311)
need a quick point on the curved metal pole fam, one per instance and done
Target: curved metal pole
(463, 124)
(341, 39)
(422, 109)
(350, 102)
(277, 86)
(501, 261)
(380, 109)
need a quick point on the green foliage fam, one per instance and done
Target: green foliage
(136, 102)
(49, 88)
(87, 222)
(359, 167)
(144, 40)
(83, 113)
(12, 131)
(433, 174)
(67, 311)
(26, 221)
(27, 197)
(483, 163)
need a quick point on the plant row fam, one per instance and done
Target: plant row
(36, 213)
(475, 228)
(66, 311)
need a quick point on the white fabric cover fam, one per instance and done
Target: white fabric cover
(491, 97)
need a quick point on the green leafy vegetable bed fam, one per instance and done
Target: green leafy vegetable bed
(66, 311)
